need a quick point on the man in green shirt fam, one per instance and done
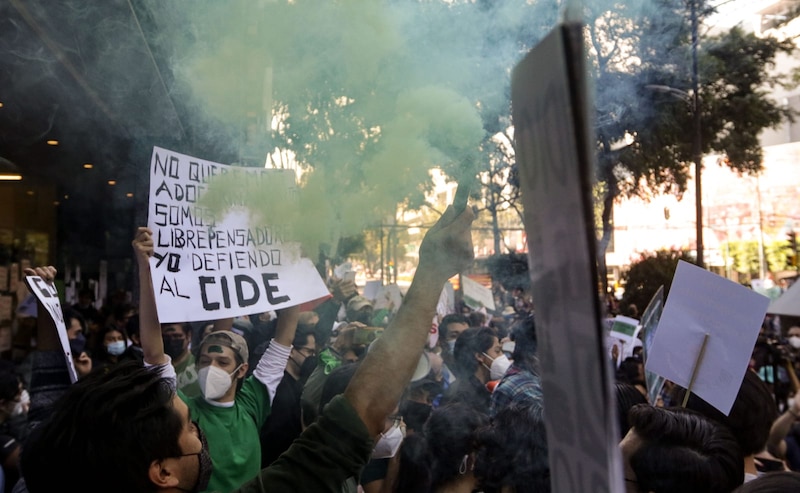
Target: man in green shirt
(231, 408)
(134, 434)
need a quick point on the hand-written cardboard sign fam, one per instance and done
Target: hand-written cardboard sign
(703, 303)
(48, 296)
(205, 270)
(554, 143)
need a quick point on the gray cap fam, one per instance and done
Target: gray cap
(229, 339)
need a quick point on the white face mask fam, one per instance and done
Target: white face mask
(452, 346)
(389, 443)
(214, 382)
(116, 348)
(794, 341)
(499, 366)
(22, 405)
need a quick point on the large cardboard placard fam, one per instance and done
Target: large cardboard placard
(701, 303)
(47, 294)
(554, 151)
(205, 269)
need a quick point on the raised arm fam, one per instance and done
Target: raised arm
(269, 370)
(149, 326)
(776, 444)
(287, 325)
(379, 382)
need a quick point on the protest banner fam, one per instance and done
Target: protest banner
(388, 298)
(206, 269)
(708, 315)
(554, 150)
(371, 289)
(476, 295)
(48, 295)
(650, 318)
(624, 328)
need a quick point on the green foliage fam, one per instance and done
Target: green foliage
(642, 60)
(651, 100)
(744, 256)
(648, 273)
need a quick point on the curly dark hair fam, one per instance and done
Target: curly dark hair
(114, 424)
(508, 457)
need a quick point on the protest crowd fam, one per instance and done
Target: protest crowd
(345, 397)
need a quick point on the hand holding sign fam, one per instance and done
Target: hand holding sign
(343, 289)
(143, 244)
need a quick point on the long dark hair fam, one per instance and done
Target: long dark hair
(432, 459)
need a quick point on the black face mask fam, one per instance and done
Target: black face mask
(173, 347)
(365, 317)
(307, 368)
(77, 345)
(204, 472)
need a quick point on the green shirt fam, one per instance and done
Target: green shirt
(334, 448)
(232, 433)
(186, 379)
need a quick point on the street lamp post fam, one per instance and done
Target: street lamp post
(697, 155)
(697, 144)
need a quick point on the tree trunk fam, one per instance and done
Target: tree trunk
(496, 231)
(608, 228)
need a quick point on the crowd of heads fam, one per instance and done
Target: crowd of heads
(472, 418)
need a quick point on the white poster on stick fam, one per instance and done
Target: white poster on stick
(701, 303)
(205, 269)
(48, 296)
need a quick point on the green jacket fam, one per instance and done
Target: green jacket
(334, 448)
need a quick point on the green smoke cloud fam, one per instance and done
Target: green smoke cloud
(369, 95)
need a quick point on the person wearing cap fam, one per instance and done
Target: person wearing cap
(359, 309)
(232, 408)
(150, 441)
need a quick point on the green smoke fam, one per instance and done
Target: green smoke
(369, 96)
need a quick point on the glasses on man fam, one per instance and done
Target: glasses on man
(306, 351)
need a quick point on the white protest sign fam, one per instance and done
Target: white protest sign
(371, 289)
(625, 329)
(477, 295)
(554, 148)
(701, 303)
(388, 298)
(48, 296)
(205, 270)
